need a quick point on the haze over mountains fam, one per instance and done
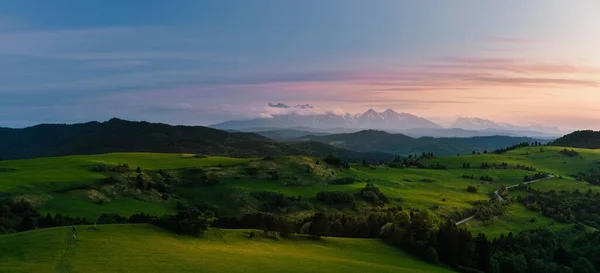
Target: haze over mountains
(308, 118)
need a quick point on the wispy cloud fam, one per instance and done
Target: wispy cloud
(515, 40)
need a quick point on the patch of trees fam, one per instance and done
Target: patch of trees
(342, 181)
(486, 210)
(17, 216)
(486, 178)
(466, 165)
(471, 188)
(373, 195)
(514, 147)
(566, 206)
(539, 250)
(505, 166)
(435, 166)
(569, 153)
(580, 139)
(468, 176)
(277, 202)
(121, 168)
(592, 176)
(335, 198)
(336, 161)
(188, 220)
(199, 177)
(398, 163)
(537, 176)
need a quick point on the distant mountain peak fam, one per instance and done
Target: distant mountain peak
(371, 119)
(475, 123)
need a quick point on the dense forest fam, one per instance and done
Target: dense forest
(579, 139)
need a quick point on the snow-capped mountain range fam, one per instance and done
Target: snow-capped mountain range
(479, 124)
(280, 116)
(371, 119)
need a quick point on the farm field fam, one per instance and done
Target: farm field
(144, 248)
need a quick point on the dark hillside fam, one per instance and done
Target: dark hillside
(579, 139)
(118, 135)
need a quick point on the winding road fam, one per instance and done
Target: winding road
(550, 176)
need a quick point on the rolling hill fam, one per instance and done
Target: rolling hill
(379, 141)
(144, 248)
(118, 135)
(580, 139)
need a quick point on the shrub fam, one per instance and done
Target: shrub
(335, 197)
(342, 181)
(471, 188)
(372, 194)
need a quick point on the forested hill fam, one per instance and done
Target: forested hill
(378, 141)
(580, 139)
(118, 135)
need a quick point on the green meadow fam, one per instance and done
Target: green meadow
(144, 248)
(66, 185)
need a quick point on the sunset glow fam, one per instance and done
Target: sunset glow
(520, 62)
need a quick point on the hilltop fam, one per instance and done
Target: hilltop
(117, 135)
(580, 139)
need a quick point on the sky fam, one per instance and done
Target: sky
(201, 62)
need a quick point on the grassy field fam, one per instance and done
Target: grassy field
(51, 173)
(143, 248)
(516, 219)
(40, 180)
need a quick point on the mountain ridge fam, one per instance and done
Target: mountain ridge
(117, 135)
(371, 119)
(374, 141)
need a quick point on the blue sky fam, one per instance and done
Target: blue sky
(201, 62)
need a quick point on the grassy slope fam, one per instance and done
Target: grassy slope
(56, 172)
(548, 160)
(516, 219)
(397, 184)
(142, 248)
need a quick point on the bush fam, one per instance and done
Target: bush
(471, 188)
(342, 181)
(372, 194)
(335, 197)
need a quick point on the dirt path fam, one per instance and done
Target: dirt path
(550, 176)
(63, 264)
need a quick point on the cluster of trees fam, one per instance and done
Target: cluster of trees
(336, 161)
(17, 216)
(342, 181)
(486, 178)
(421, 234)
(276, 202)
(471, 188)
(188, 220)
(513, 147)
(335, 198)
(541, 250)
(373, 195)
(503, 165)
(566, 206)
(435, 166)
(592, 176)
(569, 153)
(121, 168)
(487, 210)
(537, 176)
